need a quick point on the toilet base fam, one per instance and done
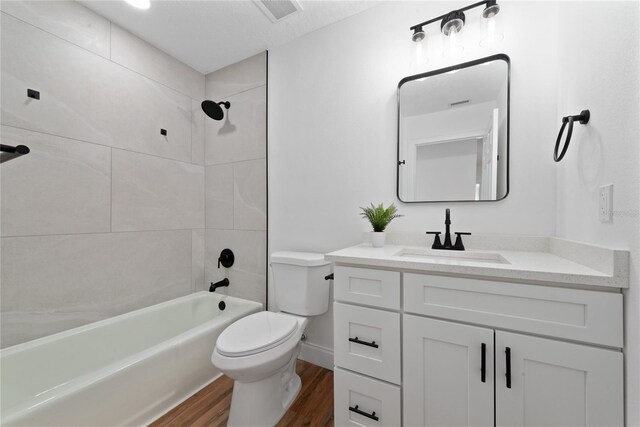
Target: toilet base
(264, 402)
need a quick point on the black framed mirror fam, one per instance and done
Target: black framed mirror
(453, 133)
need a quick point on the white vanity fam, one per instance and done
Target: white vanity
(504, 337)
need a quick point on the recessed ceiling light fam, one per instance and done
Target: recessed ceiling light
(140, 4)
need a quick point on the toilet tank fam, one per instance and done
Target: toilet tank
(299, 282)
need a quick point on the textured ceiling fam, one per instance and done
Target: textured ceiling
(209, 35)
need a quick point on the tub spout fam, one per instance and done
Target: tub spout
(221, 284)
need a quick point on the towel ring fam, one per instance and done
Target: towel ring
(583, 118)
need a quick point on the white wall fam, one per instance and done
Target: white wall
(332, 129)
(105, 215)
(599, 71)
(453, 165)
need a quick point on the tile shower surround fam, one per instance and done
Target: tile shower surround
(113, 215)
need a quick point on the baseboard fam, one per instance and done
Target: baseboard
(317, 355)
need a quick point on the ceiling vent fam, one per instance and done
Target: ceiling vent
(277, 10)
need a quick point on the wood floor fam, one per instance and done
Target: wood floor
(210, 406)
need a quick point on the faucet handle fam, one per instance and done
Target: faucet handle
(437, 244)
(459, 246)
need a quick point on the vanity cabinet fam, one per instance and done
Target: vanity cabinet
(447, 372)
(448, 378)
(474, 352)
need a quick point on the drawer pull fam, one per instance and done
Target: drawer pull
(483, 367)
(368, 344)
(507, 352)
(364, 414)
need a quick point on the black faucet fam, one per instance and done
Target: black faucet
(437, 244)
(221, 284)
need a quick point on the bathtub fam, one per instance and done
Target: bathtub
(126, 370)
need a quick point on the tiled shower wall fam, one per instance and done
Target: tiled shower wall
(236, 178)
(105, 215)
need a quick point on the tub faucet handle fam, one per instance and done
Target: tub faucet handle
(226, 258)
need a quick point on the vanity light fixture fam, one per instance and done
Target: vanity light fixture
(140, 4)
(452, 22)
(418, 34)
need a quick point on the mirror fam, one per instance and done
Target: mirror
(453, 133)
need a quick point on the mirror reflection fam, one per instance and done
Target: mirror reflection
(453, 133)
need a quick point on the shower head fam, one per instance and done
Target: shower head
(213, 109)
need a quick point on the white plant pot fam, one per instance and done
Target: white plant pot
(377, 238)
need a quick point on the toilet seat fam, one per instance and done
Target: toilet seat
(256, 333)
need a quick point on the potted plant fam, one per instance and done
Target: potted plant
(379, 217)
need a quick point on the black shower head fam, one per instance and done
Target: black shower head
(213, 109)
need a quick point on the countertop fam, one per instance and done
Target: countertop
(554, 262)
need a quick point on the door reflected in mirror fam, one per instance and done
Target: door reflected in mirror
(453, 133)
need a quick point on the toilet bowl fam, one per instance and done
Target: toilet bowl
(259, 352)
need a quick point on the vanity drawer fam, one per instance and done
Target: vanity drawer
(367, 340)
(575, 314)
(378, 288)
(358, 400)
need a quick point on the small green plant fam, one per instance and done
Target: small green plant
(379, 217)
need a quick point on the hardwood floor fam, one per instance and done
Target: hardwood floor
(210, 406)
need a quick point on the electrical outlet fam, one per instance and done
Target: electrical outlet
(605, 203)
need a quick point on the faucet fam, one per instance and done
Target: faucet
(221, 284)
(437, 244)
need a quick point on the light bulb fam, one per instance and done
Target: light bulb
(452, 46)
(490, 29)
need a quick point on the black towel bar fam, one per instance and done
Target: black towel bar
(583, 118)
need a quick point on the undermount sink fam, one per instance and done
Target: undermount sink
(450, 257)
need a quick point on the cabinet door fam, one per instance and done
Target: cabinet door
(445, 382)
(554, 383)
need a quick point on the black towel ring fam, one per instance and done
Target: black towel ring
(583, 118)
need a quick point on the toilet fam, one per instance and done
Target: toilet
(259, 352)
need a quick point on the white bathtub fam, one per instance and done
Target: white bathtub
(126, 370)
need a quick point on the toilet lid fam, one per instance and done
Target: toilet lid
(256, 333)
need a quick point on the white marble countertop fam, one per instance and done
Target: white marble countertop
(548, 260)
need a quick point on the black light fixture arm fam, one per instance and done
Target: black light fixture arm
(441, 17)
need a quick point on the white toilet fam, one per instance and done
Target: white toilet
(260, 351)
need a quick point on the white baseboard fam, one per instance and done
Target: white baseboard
(317, 355)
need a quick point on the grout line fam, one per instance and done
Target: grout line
(236, 161)
(233, 195)
(104, 232)
(60, 38)
(242, 91)
(111, 195)
(102, 145)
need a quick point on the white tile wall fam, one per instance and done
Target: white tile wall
(236, 192)
(239, 77)
(94, 275)
(151, 193)
(65, 19)
(248, 274)
(250, 195)
(94, 100)
(197, 132)
(243, 135)
(219, 196)
(62, 186)
(197, 261)
(65, 258)
(138, 55)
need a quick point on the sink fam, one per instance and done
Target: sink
(450, 257)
